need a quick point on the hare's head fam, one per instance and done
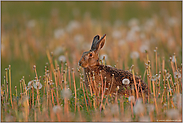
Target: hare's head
(90, 58)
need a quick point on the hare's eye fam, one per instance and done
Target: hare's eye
(90, 54)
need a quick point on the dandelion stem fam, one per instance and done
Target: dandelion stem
(103, 89)
(111, 84)
(56, 83)
(85, 97)
(50, 60)
(88, 97)
(74, 88)
(66, 110)
(155, 97)
(69, 76)
(52, 97)
(156, 61)
(10, 85)
(79, 112)
(135, 84)
(32, 96)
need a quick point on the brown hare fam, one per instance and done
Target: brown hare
(112, 80)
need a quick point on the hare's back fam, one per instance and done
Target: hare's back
(121, 75)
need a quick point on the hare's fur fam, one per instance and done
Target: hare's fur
(106, 76)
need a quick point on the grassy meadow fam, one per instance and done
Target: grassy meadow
(42, 42)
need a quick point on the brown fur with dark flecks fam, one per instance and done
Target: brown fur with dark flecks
(90, 62)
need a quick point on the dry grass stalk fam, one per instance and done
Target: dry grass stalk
(84, 96)
(135, 84)
(73, 76)
(10, 85)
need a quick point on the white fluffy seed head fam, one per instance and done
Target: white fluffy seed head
(177, 74)
(131, 99)
(59, 33)
(134, 55)
(150, 107)
(37, 85)
(57, 109)
(138, 108)
(143, 48)
(58, 50)
(62, 58)
(66, 93)
(177, 98)
(173, 114)
(126, 81)
(30, 83)
(106, 56)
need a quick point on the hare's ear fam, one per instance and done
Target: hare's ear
(94, 43)
(100, 43)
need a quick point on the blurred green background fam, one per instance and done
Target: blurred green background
(24, 46)
(99, 10)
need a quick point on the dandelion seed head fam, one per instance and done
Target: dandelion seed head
(73, 25)
(135, 28)
(168, 75)
(102, 55)
(134, 55)
(116, 34)
(150, 23)
(59, 33)
(177, 74)
(173, 59)
(126, 81)
(142, 36)
(150, 107)
(170, 90)
(62, 58)
(143, 48)
(66, 93)
(172, 21)
(177, 99)
(133, 22)
(57, 109)
(155, 77)
(37, 85)
(58, 50)
(173, 114)
(30, 83)
(131, 99)
(31, 23)
(27, 88)
(138, 108)
(78, 38)
(131, 36)
(121, 42)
